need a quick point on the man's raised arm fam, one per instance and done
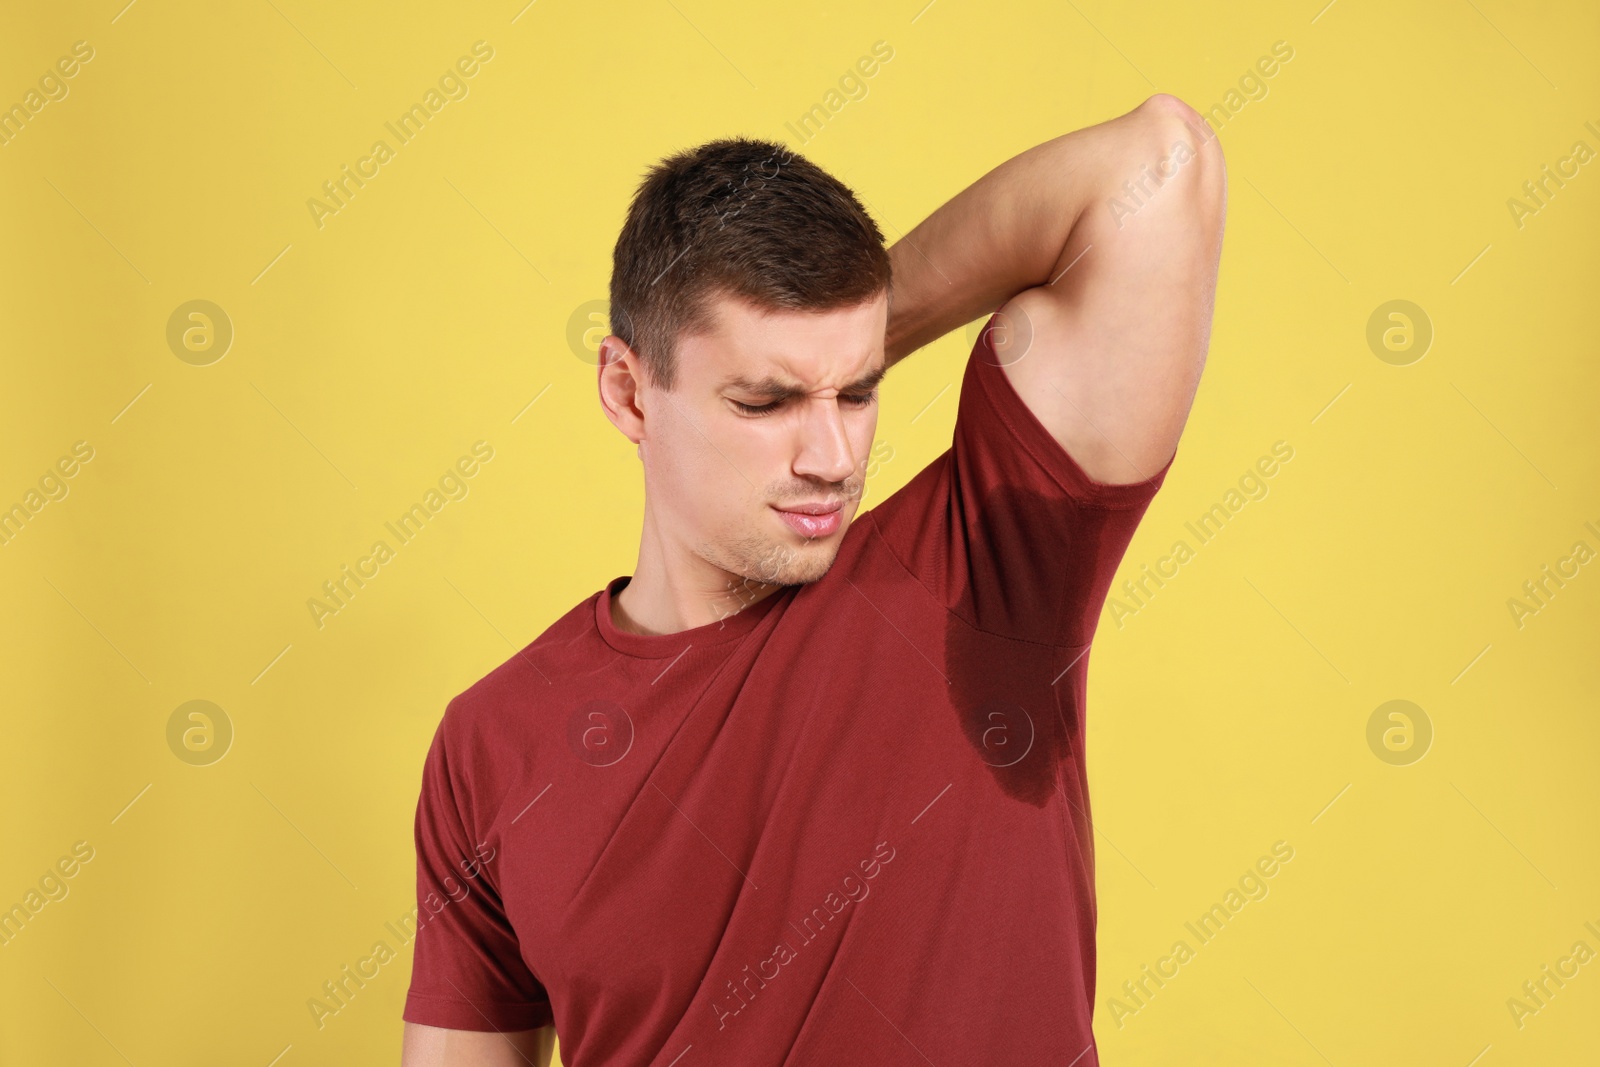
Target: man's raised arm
(1100, 249)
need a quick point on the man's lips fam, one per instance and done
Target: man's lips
(817, 519)
(819, 508)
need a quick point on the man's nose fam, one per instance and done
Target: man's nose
(825, 449)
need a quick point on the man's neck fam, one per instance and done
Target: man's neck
(653, 605)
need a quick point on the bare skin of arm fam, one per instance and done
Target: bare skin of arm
(1100, 250)
(431, 1046)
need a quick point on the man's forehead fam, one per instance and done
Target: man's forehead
(793, 352)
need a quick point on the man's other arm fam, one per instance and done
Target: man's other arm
(1100, 249)
(431, 1046)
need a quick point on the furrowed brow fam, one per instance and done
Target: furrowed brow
(770, 387)
(870, 380)
(774, 388)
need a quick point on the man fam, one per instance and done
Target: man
(809, 787)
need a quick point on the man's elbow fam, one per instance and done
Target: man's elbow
(1182, 149)
(1172, 115)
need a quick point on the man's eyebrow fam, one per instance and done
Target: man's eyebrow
(775, 388)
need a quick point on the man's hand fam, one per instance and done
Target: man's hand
(1100, 249)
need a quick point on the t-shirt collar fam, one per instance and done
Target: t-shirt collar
(656, 646)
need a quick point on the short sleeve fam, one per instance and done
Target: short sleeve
(1005, 528)
(468, 972)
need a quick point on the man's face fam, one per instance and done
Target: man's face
(771, 417)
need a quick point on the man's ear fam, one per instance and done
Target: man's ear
(621, 377)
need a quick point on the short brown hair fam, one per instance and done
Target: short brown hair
(746, 217)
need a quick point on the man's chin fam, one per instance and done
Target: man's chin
(803, 564)
(812, 574)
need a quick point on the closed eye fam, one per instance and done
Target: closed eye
(857, 400)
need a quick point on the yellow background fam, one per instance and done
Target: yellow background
(434, 308)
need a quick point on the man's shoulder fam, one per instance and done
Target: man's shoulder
(525, 680)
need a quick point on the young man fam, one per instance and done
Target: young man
(809, 787)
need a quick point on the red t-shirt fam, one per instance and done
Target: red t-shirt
(849, 824)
